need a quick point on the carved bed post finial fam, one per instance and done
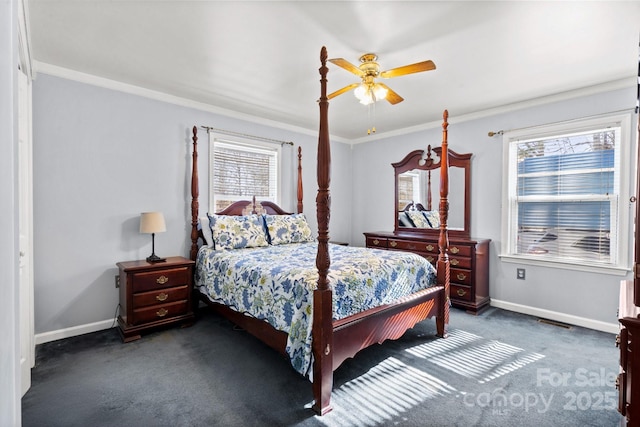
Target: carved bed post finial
(300, 210)
(194, 197)
(322, 296)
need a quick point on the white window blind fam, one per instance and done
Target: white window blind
(563, 198)
(241, 171)
(408, 189)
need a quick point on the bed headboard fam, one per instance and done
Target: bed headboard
(248, 207)
(241, 207)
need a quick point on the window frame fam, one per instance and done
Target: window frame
(249, 145)
(623, 164)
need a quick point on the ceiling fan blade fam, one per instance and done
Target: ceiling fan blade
(343, 90)
(392, 97)
(408, 69)
(347, 66)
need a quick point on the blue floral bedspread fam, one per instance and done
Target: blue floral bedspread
(276, 284)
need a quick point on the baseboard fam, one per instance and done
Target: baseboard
(73, 331)
(597, 325)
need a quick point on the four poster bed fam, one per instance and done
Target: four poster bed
(246, 283)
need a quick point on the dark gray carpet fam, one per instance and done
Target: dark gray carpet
(496, 369)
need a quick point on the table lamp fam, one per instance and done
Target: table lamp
(152, 222)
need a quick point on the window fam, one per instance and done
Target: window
(563, 199)
(239, 171)
(408, 189)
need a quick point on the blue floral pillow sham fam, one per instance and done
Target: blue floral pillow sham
(283, 229)
(237, 232)
(417, 219)
(433, 217)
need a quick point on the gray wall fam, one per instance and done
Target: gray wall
(588, 295)
(9, 303)
(100, 158)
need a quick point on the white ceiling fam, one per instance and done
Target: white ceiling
(261, 58)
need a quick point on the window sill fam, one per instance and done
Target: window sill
(591, 268)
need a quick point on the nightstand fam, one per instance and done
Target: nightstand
(153, 295)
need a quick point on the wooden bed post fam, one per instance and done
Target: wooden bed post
(322, 296)
(442, 265)
(194, 197)
(299, 179)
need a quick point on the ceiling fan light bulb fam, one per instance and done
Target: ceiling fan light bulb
(360, 92)
(380, 92)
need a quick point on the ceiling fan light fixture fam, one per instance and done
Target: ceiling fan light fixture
(380, 92)
(364, 94)
(368, 93)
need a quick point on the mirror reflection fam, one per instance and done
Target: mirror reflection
(417, 185)
(418, 191)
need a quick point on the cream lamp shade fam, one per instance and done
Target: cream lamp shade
(152, 223)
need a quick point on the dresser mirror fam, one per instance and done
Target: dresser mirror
(417, 193)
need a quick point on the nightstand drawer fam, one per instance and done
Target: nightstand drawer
(159, 312)
(162, 296)
(159, 279)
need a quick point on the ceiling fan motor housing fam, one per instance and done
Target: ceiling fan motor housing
(369, 65)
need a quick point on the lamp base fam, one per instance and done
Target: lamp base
(153, 258)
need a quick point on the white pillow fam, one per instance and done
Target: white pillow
(206, 230)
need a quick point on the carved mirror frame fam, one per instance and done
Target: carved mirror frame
(423, 160)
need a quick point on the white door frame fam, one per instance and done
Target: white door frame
(25, 190)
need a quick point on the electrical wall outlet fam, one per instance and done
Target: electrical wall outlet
(520, 274)
(117, 281)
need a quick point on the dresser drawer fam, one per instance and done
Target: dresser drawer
(162, 296)
(460, 292)
(461, 276)
(377, 242)
(460, 262)
(432, 258)
(460, 250)
(413, 246)
(160, 279)
(159, 312)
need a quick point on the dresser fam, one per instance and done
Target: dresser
(469, 263)
(629, 377)
(154, 295)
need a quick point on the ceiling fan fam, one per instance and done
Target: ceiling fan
(369, 91)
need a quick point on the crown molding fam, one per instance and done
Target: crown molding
(66, 73)
(90, 79)
(623, 83)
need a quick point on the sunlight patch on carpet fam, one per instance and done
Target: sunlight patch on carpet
(475, 357)
(382, 394)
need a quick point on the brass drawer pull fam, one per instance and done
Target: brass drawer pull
(454, 250)
(455, 262)
(162, 296)
(617, 383)
(162, 312)
(430, 248)
(618, 340)
(461, 292)
(430, 258)
(162, 280)
(461, 276)
(393, 243)
(376, 242)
